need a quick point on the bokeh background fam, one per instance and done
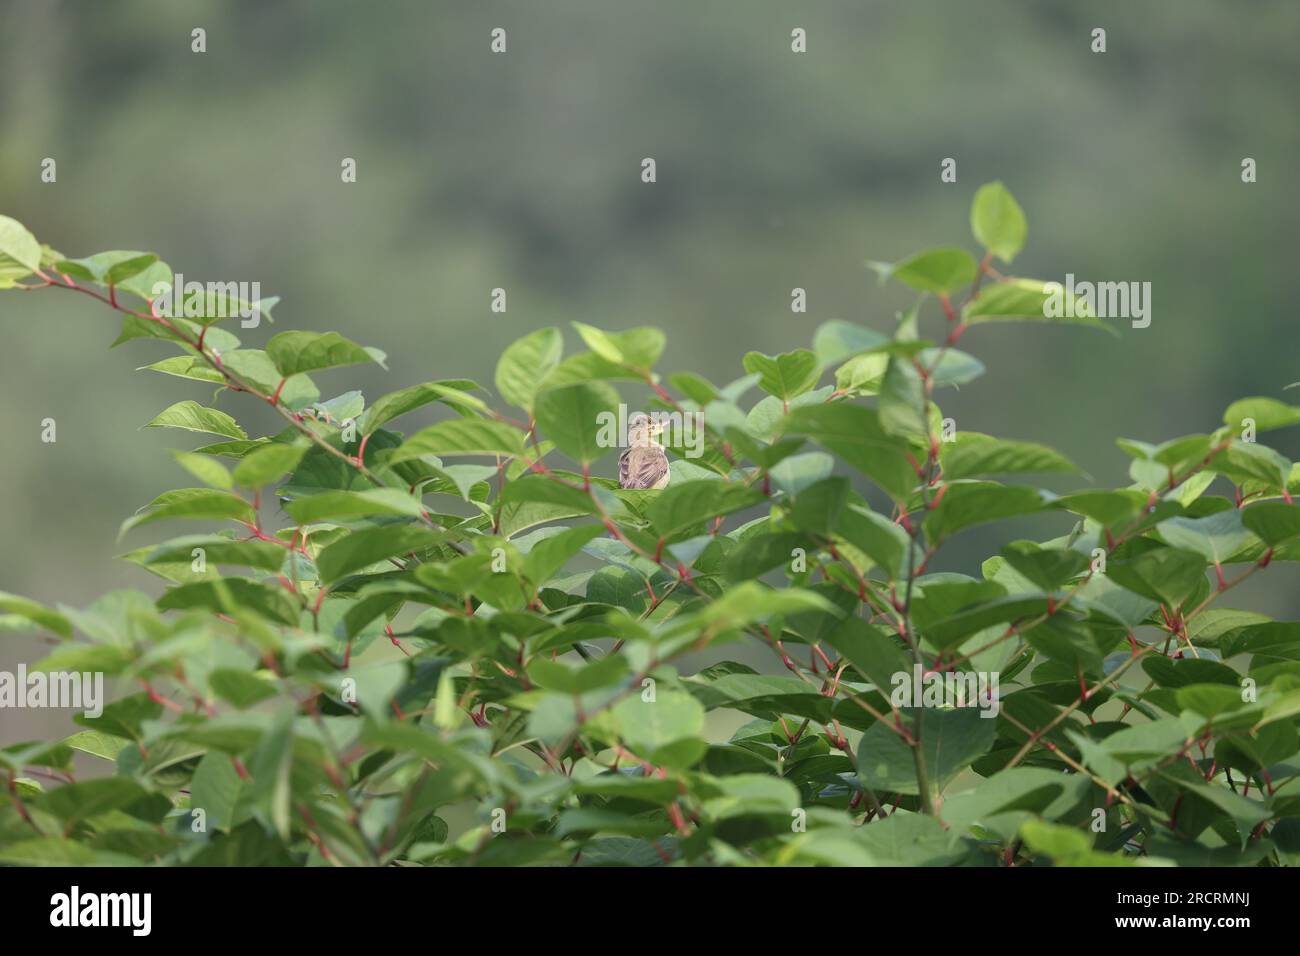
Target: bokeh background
(775, 170)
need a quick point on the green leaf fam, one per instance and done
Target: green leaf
(588, 820)
(880, 539)
(748, 602)
(1046, 568)
(761, 553)
(636, 349)
(902, 402)
(954, 366)
(526, 363)
(876, 656)
(1030, 300)
(1215, 537)
(135, 272)
(546, 557)
(695, 387)
(360, 549)
(395, 404)
(786, 375)
(949, 630)
(537, 489)
(639, 347)
(295, 352)
(974, 455)
(1268, 414)
(581, 679)
(681, 509)
(262, 555)
(752, 793)
(205, 468)
(651, 727)
(1272, 521)
(268, 464)
(349, 505)
(794, 474)
(940, 270)
(581, 419)
(998, 222)
(97, 743)
(1251, 462)
(950, 741)
(461, 436)
(129, 268)
(1107, 508)
(192, 416)
(37, 613)
(216, 789)
(855, 434)
(211, 504)
(1068, 642)
(270, 765)
(230, 596)
(534, 500)
(240, 687)
(1168, 575)
(255, 367)
(1144, 741)
(734, 687)
(19, 245)
(74, 802)
(968, 503)
(1245, 813)
(1067, 846)
(862, 373)
(908, 839)
(817, 508)
(1029, 789)
(837, 340)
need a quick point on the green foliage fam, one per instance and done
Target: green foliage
(509, 660)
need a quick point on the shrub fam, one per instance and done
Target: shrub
(449, 647)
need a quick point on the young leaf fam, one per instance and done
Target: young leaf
(194, 417)
(902, 401)
(968, 503)
(940, 271)
(18, 245)
(295, 352)
(1272, 521)
(950, 740)
(1266, 413)
(1168, 575)
(268, 464)
(526, 363)
(360, 549)
(855, 434)
(1030, 300)
(974, 455)
(680, 509)
(395, 404)
(350, 505)
(461, 436)
(581, 419)
(786, 375)
(998, 222)
(210, 504)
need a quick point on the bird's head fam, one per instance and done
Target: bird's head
(642, 429)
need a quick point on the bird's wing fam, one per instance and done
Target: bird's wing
(623, 468)
(642, 468)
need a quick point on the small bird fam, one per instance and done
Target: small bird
(644, 464)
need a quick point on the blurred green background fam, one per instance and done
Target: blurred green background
(521, 170)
